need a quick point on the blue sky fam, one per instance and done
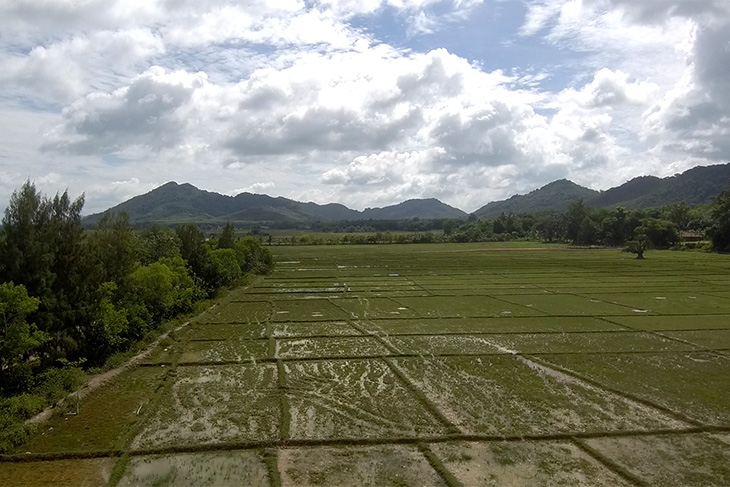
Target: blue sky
(366, 103)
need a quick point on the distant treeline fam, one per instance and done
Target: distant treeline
(585, 226)
(579, 224)
(71, 298)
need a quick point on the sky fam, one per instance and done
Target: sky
(361, 102)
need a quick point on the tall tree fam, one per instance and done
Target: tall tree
(157, 243)
(18, 339)
(575, 216)
(42, 247)
(27, 257)
(720, 229)
(115, 248)
(195, 252)
(228, 237)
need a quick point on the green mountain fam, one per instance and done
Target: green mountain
(174, 203)
(416, 208)
(694, 186)
(554, 196)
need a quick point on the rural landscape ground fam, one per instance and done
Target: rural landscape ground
(472, 364)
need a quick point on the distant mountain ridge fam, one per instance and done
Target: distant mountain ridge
(174, 203)
(553, 196)
(694, 186)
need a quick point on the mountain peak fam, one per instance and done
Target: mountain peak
(174, 203)
(554, 196)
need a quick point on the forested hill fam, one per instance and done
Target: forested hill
(694, 186)
(554, 196)
(177, 203)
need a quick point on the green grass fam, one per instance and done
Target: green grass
(408, 345)
(329, 347)
(502, 395)
(105, 416)
(313, 329)
(684, 459)
(696, 384)
(225, 331)
(550, 463)
(353, 399)
(202, 469)
(238, 312)
(307, 310)
(230, 350)
(215, 404)
(446, 326)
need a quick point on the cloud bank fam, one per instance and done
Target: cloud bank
(308, 100)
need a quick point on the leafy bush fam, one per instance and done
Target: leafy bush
(18, 339)
(226, 265)
(253, 257)
(56, 383)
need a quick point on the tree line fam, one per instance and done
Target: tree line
(579, 224)
(583, 225)
(71, 298)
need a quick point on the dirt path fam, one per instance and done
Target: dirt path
(99, 380)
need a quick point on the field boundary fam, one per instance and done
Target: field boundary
(374, 441)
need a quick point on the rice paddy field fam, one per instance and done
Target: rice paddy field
(423, 365)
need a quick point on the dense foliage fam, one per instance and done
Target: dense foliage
(70, 296)
(720, 229)
(581, 224)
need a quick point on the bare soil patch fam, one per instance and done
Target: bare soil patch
(670, 460)
(219, 469)
(61, 473)
(387, 465)
(524, 464)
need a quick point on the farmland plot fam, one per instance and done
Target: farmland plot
(234, 331)
(696, 384)
(82, 473)
(313, 329)
(503, 396)
(685, 459)
(354, 399)
(214, 404)
(470, 364)
(231, 350)
(105, 417)
(329, 347)
(239, 312)
(387, 465)
(307, 310)
(525, 464)
(205, 468)
(449, 326)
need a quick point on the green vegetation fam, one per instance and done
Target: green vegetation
(685, 459)
(474, 363)
(720, 229)
(72, 298)
(175, 204)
